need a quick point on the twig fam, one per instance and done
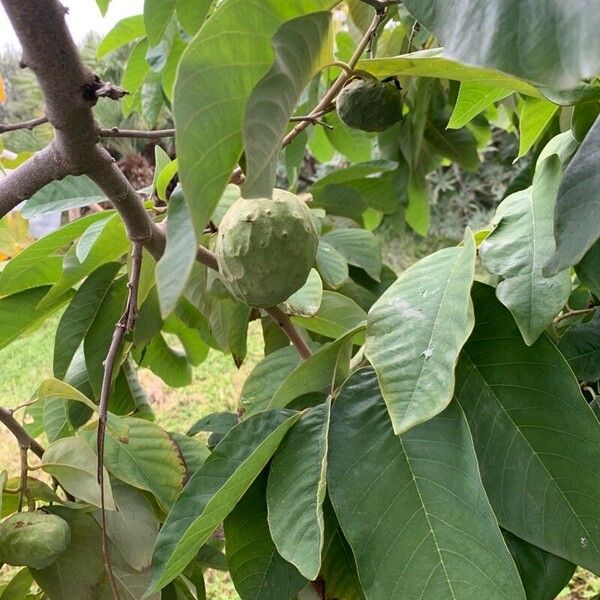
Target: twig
(313, 120)
(5, 128)
(136, 133)
(123, 326)
(326, 101)
(23, 487)
(283, 321)
(411, 37)
(574, 313)
(22, 437)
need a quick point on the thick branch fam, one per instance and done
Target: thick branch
(136, 133)
(23, 438)
(5, 128)
(283, 321)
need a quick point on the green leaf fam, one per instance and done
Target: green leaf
(458, 145)
(580, 345)
(543, 574)
(196, 349)
(355, 145)
(157, 15)
(3, 479)
(215, 489)
(536, 438)
(219, 422)
(79, 315)
(57, 424)
(359, 247)
(37, 264)
(519, 247)
(588, 270)
(336, 315)
(194, 451)
(557, 46)
(20, 312)
(473, 98)
(74, 463)
(257, 570)
(126, 30)
(296, 491)
(192, 13)
(169, 72)
(103, 6)
(165, 177)
(146, 458)
(133, 76)
(417, 211)
(324, 370)
(18, 586)
(577, 214)
(306, 301)
(535, 117)
(303, 47)
(436, 64)
(70, 192)
(415, 332)
(356, 172)
(110, 245)
(211, 84)
(332, 266)
(152, 97)
(89, 236)
(175, 266)
(413, 507)
(168, 363)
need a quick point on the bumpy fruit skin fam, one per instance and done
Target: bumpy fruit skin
(33, 539)
(369, 105)
(266, 248)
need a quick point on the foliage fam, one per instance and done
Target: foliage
(432, 433)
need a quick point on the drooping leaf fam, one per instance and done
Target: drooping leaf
(526, 411)
(535, 117)
(215, 489)
(126, 30)
(157, 14)
(415, 332)
(519, 247)
(208, 146)
(303, 47)
(473, 98)
(359, 247)
(332, 265)
(413, 507)
(556, 46)
(307, 300)
(257, 570)
(70, 192)
(296, 491)
(580, 345)
(577, 214)
(74, 463)
(169, 363)
(543, 574)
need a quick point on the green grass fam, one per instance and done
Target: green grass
(216, 385)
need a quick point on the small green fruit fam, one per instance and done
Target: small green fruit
(33, 539)
(266, 248)
(369, 105)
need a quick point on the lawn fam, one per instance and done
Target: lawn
(216, 386)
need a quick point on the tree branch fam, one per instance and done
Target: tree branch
(135, 133)
(23, 438)
(285, 324)
(5, 128)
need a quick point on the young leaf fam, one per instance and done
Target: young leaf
(74, 463)
(535, 117)
(413, 507)
(526, 411)
(519, 247)
(257, 570)
(303, 47)
(215, 489)
(296, 490)
(124, 31)
(473, 99)
(577, 214)
(415, 332)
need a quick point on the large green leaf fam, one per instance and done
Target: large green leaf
(39, 263)
(537, 440)
(303, 47)
(473, 98)
(79, 315)
(20, 312)
(257, 570)
(580, 345)
(519, 247)
(215, 489)
(435, 63)
(556, 45)
(157, 15)
(332, 265)
(413, 507)
(74, 464)
(126, 30)
(416, 330)
(543, 574)
(212, 83)
(70, 192)
(296, 491)
(359, 247)
(577, 214)
(191, 13)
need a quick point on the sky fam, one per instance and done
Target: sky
(83, 17)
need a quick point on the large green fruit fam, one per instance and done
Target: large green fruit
(369, 105)
(266, 248)
(33, 539)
